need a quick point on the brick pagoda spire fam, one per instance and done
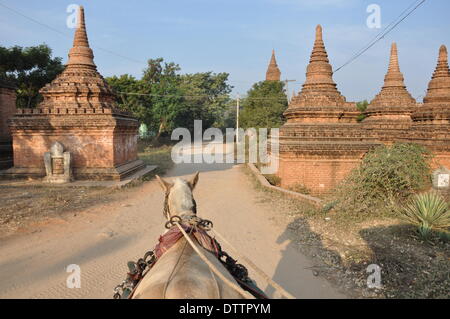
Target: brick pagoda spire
(431, 121)
(321, 140)
(81, 53)
(390, 111)
(79, 111)
(436, 107)
(319, 96)
(394, 101)
(79, 85)
(273, 72)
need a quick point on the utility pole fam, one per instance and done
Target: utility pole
(238, 100)
(287, 85)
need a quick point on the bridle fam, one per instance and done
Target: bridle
(187, 224)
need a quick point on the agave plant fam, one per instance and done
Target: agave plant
(429, 212)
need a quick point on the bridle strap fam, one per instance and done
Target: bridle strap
(166, 210)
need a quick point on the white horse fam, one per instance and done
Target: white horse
(180, 273)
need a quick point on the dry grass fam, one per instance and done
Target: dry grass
(153, 154)
(341, 249)
(23, 205)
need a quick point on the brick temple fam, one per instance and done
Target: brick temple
(431, 122)
(389, 114)
(322, 140)
(273, 72)
(7, 110)
(79, 111)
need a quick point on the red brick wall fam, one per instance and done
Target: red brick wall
(125, 149)
(95, 140)
(88, 150)
(441, 159)
(320, 176)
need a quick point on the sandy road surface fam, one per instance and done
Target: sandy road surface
(102, 239)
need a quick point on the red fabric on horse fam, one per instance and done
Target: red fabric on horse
(169, 239)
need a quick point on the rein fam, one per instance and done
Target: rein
(194, 225)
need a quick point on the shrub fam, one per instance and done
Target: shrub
(429, 212)
(300, 188)
(386, 176)
(362, 107)
(273, 179)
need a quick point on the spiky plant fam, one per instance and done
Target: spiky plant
(429, 211)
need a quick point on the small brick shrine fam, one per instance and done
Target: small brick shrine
(79, 111)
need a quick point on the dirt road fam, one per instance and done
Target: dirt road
(102, 239)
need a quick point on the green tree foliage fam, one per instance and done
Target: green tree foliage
(362, 107)
(228, 119)
(165, 99)
(206, 97)
(264, 105)
(29, 69)
(129, 96)
(162, 81)
(388, 175)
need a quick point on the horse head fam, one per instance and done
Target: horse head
(179, 199)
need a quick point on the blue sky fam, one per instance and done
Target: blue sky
(237, 37)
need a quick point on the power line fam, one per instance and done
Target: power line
(67, 35)
(198, 96)
(382, 34)
(95, 46)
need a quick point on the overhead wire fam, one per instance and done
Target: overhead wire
(67, 35)
(383, 33)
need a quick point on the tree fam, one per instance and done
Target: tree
(228, 118)
(362, 107)
(206, 96)
(264, 105)
(162, 82)
(165, 99)
(29, 69)
(131, 96)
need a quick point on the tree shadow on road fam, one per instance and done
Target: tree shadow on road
(296, 271)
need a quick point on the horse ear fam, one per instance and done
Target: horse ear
(193, 181)
(166, 186)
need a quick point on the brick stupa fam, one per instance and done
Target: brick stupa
(273, 72)
(319, 99)
(389, 113)
(321, 140)
(431, 122)
(79, 111)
